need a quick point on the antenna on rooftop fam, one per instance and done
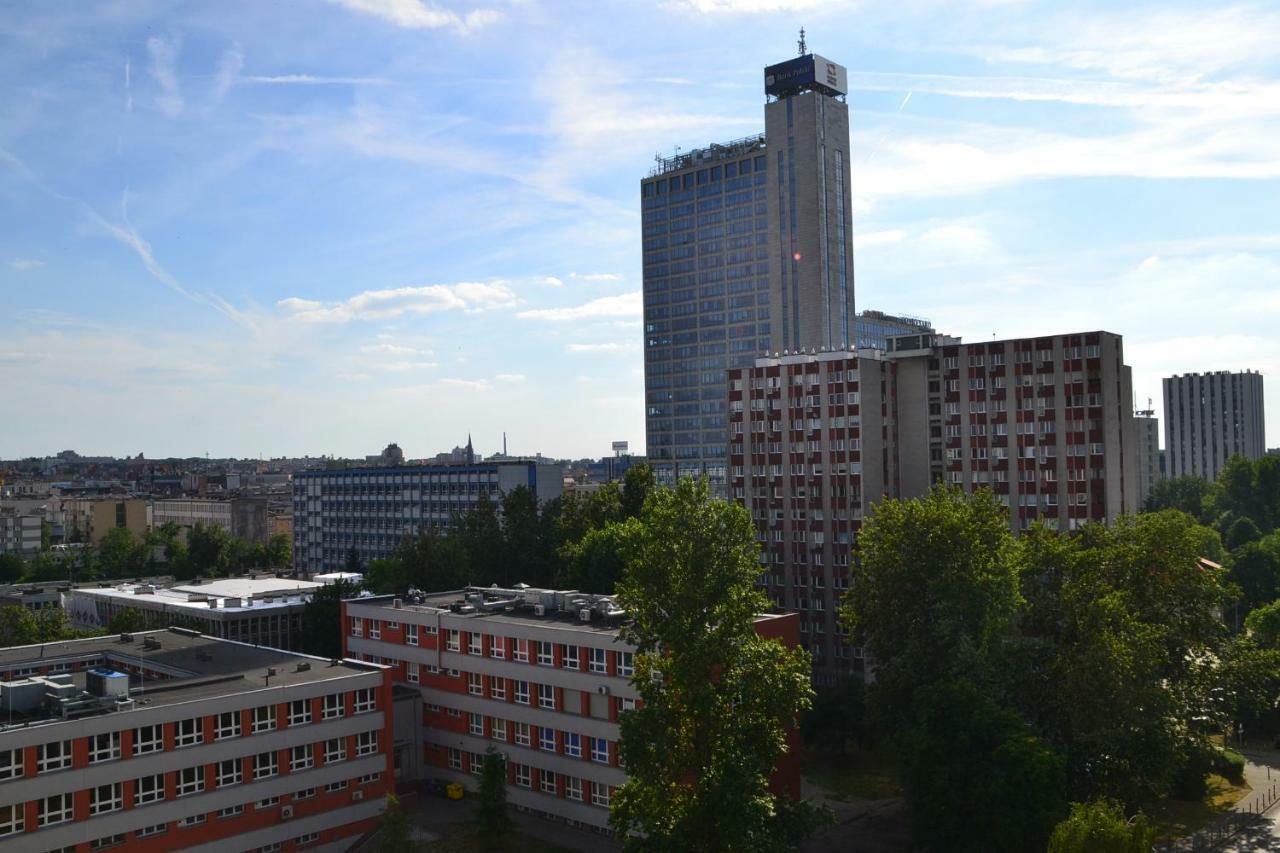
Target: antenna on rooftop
(801, 45)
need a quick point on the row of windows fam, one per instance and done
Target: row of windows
(547, 739)
(549, 782)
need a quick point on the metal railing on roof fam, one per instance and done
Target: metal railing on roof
(712, 153)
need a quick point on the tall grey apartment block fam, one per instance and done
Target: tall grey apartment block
(1210, 417)
(748, 249)
(1147, 435)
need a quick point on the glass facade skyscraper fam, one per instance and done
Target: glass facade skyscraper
(748, 249)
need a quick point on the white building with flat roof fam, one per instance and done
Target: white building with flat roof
(264, 611)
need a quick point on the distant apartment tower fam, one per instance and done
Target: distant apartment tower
(19, 531)
(874, 328)
(370, 510)
(1210, 417)
(1146, 429)
(90, 519)
(748, 248)
(168, 740)
(520, 671)
(816, 440)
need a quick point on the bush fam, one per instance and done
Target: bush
(1190, 783)
(1229, 764)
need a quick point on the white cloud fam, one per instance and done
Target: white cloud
(623, 305)
(26, 264)
(552, 281)
(509, 378)
(877, 238)
(596, 276)
(401, 301)
(748, 7)
(393, 349)
(229, 66)
(164, 55)
(419, 14)
(610, 347)
(403, 366)
(312, 80)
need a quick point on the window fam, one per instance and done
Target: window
(475, 724)
(55, 809)
(335, 750)
(193, 820)
(547, 781)
(106, 798)
(498, 688)
(10, 763)
(148, 789)
(453, 673)
(570, 657)
(411, 635)
(546, 696)
(599, 750)
(148, 831)
(521, 650)
(375, 629)
(357, 626)
(331, 708)
(522, 734)
(522, 692)
(573, 744)
(340, 785)
(11, 819)
(304, 794)
(268, 803)
(265, 765)
(597, 659)
(430, 630)
(190, 781)
(365, 700)
(228, 725)
(497, 647)
(452, 641)
(301, 757)
(411, 672)
(299, 712)
(573, 788)
(53, 756)
(310, 837)
(497, 729)
(599, 795)
(148, 739)
(546, 654)
(366, 743)
(474, 643)
(188, 732)
(455, 759)
(523, 778)
(108, 841)
(229, 773)
(625, 705)
(264, 719)
(370, 778)
(104, 747)
(231, 811)
(547, 739)
(475, 684)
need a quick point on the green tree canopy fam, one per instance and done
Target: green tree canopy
(718, 699)
(322, 627)
(494, 823)
(127, 621)
(395, 831)
(12, 568)
(1188, 494)
(1101, 827)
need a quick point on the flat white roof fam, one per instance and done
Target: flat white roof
(231, 592)
(245, 587)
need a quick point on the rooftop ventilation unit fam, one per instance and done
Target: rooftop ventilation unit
(539, 610)
(584, 615)
(151, 643)
(397, 603)
(303, 667)
(126, 638)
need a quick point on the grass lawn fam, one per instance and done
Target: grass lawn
(1177, 818)
(856, 775)
(464, 840)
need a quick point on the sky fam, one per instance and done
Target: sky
(306, 227)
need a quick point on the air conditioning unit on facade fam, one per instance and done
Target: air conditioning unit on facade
(286, 812)
(603, 690)
(357, 796)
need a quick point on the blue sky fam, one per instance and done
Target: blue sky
(316, 226)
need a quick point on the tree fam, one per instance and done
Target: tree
(120, 554)
(480, 534)
(354, 564)
(279, 551)
(1263, 625)
(1255, 568)
(1100, 827)
(594, 563)
(718, 699)
(18, 626)
(493, 822)
(12, 568)
(207, 551)
(637, 484)
(396, 829)
(1188, 494)
(127, 621)
(525, 556)
(322, 627)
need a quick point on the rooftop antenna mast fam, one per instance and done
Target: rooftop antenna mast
(800, 44)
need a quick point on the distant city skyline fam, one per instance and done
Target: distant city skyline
(313, 228)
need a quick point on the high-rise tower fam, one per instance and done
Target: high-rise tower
(748, 249)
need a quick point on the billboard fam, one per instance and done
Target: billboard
(620, 446)
(805, 71)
